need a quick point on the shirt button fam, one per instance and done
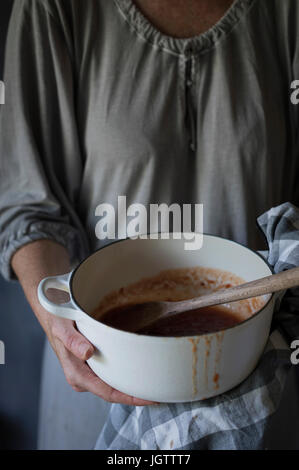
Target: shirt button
(189, 83)
(192, 147)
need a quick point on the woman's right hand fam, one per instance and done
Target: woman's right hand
(32, 263)
(72, 350)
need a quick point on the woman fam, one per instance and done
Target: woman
(108, 98)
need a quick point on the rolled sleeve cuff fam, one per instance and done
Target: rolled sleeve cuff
(66, 235)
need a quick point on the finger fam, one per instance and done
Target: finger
(75, 342)
(100, 388)
(82, 378)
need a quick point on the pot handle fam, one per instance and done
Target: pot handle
(65, 310)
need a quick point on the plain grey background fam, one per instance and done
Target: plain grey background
(23, 339)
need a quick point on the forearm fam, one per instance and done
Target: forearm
(35, 261)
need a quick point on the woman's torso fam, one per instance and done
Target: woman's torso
(205, 120)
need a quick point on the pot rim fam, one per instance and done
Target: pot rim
(153, 337)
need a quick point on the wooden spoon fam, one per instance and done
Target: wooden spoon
(138, 316)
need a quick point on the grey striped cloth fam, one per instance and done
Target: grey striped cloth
(239, 418)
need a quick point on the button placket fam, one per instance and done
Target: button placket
(189, 82)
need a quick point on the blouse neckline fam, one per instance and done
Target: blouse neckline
(183, 46)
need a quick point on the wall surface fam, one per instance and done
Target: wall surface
(23, 339)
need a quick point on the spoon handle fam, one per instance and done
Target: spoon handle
(265, 285)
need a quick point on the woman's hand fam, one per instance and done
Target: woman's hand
(72, 350)
(32, 263)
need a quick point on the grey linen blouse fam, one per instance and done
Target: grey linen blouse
(99, 103)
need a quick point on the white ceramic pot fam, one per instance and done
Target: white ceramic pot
(158, 368)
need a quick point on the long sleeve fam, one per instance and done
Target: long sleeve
(40, 159)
